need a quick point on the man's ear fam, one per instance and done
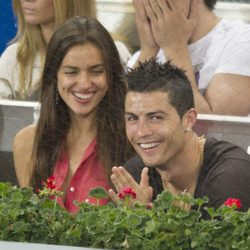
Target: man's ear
(189, 119)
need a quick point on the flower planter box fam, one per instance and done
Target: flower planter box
(28, 217)
(5, 245)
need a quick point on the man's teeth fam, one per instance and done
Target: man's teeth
(82, 96)
(148, 145)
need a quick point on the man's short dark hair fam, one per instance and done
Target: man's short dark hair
(210, 4)
(152, 76)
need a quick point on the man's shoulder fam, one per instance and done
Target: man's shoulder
(134, 166)
(220, 147)
(225, 173)
(225, 155)
(234, 30)
(135, 163)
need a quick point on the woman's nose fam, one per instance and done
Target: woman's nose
(84, 80)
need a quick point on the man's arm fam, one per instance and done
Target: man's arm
(172, 30)
(228, 94)
(149, 47)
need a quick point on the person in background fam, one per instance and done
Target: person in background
(22, 62)
(8, 24)
(80, 133)
(214, 52)
(160, 115)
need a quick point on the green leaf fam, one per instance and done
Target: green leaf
(4, 187)
(17, 197)
(164, 200)
(152, 226)
(211, 211)
(133, 220)
(98, 193)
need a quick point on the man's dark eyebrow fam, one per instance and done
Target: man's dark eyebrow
(148, 114)
(156, 113)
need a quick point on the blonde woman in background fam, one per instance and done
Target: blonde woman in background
(21, 63)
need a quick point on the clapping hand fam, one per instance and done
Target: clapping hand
(121, 179)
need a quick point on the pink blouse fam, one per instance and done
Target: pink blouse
(89, 174)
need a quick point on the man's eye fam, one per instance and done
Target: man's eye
(156, 118)
(130, 118)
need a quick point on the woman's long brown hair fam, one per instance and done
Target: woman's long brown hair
(54, 122)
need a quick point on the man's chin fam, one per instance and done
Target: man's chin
(152, 164)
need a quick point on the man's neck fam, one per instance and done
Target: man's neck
(206, 22)
(181, 173)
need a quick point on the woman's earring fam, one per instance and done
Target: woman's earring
(187, 129)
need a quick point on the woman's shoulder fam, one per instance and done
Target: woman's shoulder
(25, 133)
(8, 60)
(22, 150)
(23, 142)
(10, 51)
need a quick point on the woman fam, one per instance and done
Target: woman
(80, 134)
(22, 62)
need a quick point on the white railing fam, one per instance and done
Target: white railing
(14, 115)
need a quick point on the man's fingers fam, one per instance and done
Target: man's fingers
(113, 196)
(165, 6)
(117, 179)
(149, 11)
(193, 12)
(144, 178)
(129, 180)
(156, 8)
(121, 178)
(150, 193)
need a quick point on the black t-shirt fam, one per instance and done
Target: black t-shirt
(225, 173)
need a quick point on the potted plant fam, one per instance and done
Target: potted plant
(29, 217)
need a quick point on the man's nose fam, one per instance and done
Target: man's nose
(144, 129)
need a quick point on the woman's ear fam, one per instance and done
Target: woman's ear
(189, 119)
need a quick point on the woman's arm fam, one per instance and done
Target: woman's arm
(22, 150)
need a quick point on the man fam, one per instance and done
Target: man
(215, 53)
(160, 115)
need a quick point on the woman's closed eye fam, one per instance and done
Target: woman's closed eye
(97, 71)
(70, 72)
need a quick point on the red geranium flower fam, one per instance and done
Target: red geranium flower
(50, 183)
(127, 192)
(233, 202)
(49, 188)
